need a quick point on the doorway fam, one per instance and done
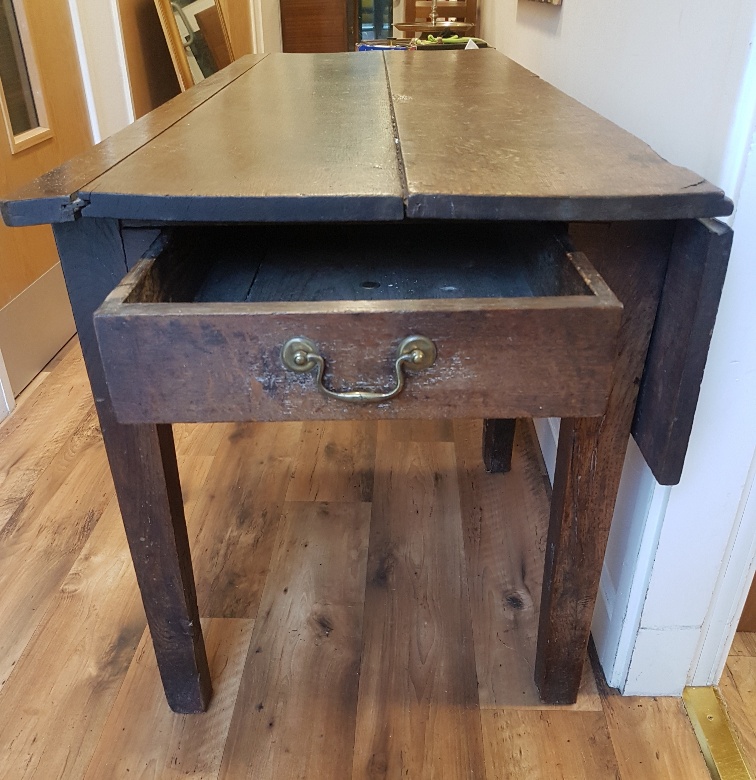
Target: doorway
(376, 19)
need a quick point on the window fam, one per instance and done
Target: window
(20, 98)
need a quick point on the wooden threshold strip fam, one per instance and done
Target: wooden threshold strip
(711, 724)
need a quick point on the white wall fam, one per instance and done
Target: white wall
(669, 72)
(99, 42)
(266, 26)
(680, 75)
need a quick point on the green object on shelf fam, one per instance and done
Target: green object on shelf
(439, 40)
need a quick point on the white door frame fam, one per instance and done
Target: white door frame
(739, 562)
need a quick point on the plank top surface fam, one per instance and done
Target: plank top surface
(307, 138)
(483, 138)
(51, 197)
(354, 137)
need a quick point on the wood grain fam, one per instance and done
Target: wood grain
(334, 463)
(556, 357)
(87, 672)
(636, 726)
(508, 108)
(54, 196)
(52, 54)
(42, 422)
(744, 643)
(196, 449)
(679, 345)
(420, 430)
(141, 740)
(504, 522)
(296, 705)
(234, 522)
(506, 163)
(738, 688)
(498, 440)
(418, 706)
(75, 663)
(46, 533)
(321, 150)
(314, 27)
(557, 745)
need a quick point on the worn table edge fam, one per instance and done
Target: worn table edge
(268, 209)
(55, 196)
(712, 203)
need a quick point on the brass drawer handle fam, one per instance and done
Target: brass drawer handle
(414, 353)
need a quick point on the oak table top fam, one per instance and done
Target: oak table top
(370, 136)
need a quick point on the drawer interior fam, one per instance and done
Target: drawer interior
(520, 324)
(315, 263)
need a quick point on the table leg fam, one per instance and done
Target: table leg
(632, 258)
(145, 473)
(498, 442)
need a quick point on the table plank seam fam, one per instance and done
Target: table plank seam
(397, 141)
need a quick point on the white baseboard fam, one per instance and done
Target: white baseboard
(660, 661)
(33, 328)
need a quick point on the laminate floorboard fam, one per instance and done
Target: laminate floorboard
(738, 688)
(234, 520)
(504, 521)
(298, 698)
(60, 693)
(652, 737)
(334, 463)
(549, 744)
(47, 414)
(141, 741)
(418, 710)
(369, 598)
(42, 539)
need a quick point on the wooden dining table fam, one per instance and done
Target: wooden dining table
(385, 236)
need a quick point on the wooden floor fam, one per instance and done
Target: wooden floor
(738, 687)
(370, 601)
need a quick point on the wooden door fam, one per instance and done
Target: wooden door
(151, 75)
(309, 26)
(43, 122)
(748, 617)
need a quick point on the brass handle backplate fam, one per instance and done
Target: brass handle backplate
(414, 353)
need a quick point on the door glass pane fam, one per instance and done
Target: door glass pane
(376, 18)
(14, 73)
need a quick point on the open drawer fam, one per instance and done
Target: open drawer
(512, 324)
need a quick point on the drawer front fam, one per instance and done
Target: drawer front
(495, 357)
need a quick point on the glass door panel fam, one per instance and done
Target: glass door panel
(22, 111)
